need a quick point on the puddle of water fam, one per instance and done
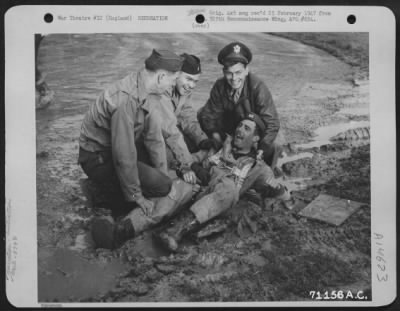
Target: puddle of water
(288, 158)
(326, 132)
(65, 276)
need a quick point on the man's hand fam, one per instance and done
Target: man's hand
(210, 143)
(217, 137)
(189, 177)
(202, 174)
(146, 206)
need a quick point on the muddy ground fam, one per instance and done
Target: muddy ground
(257, 253)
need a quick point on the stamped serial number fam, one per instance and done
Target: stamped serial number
(337, 295)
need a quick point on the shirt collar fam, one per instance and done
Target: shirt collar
(238, 91)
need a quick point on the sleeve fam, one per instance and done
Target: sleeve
(211, 114)
(154, 141)
(179, 149)
(189, 124)
(266, 183)
(124, 150)
(170, 132)
(265, 108)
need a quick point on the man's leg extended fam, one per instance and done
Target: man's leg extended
(110, 234)
(223, 195)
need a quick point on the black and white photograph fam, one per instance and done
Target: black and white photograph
(253, 183)
(203, 167)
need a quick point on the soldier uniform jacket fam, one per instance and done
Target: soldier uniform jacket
(221, 113)
(119, 117)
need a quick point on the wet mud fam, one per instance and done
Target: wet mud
(255, 252)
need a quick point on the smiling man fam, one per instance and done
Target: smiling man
(228, 173)
(181, 129)
(240, 92)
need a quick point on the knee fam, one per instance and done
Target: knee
(165, 186)
(158, 186)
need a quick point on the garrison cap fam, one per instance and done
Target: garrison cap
(164, 59)
(257, 120)
(235, 52)
(191, 64)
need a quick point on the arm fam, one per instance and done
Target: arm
(265, 108)
(154, 141)
(170, 132)
(189, 124)
(267, 185)
(124, 150)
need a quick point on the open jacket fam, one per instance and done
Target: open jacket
(121, 116)
(221, 114)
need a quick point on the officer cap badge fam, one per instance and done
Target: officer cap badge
(236, 49)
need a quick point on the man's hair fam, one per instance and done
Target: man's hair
(233, 63)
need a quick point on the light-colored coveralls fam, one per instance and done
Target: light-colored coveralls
(230, 178)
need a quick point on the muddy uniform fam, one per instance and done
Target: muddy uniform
(231, 176)
(120, 117)
(181, 128)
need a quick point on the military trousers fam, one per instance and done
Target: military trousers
(223, 192)
(99, 167)
(177, 199)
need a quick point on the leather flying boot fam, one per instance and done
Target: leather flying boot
(173, 235)
(109, 234)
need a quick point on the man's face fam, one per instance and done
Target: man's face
(235, 75)
(245, 135)
(185, 83)
(166, 81)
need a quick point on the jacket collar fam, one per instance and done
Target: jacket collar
(141, 89)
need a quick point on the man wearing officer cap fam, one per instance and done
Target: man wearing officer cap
(240, 92)
(120, 117)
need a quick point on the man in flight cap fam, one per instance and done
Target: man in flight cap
(181, 128)
(238, 93)
(120, 117)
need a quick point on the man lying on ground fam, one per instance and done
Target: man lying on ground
(226, 175)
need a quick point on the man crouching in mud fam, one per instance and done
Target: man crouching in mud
(226, 175)
(121, 117)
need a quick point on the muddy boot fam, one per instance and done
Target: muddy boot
(109, 234)
(173, 235)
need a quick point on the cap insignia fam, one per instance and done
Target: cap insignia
(236, 49)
